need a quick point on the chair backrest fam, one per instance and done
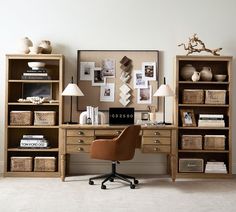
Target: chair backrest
(126, 142)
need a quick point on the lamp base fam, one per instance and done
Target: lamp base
(164, 123)
(70, 122)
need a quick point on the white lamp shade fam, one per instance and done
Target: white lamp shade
(164, 90)
(72, 90)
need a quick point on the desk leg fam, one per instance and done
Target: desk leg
(173, 167)
(63, 167)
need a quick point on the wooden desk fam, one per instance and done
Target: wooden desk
(153, 139)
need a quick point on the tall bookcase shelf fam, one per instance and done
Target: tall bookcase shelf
(218, 65)
(16, 65)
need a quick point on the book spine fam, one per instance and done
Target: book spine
(35, 77)
(35, 74)
(33, 136)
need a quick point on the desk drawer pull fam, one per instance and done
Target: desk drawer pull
(80, 133)
(157, 142)
(80, 141)
(80, 149)
(157, 133)
(118, 132)
(156, 149)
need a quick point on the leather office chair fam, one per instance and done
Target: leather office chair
(117, 149)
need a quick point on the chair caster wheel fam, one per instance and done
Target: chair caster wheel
(132, 186)
(103, 187)
(136, 182)
(91, 182)
(111, 180)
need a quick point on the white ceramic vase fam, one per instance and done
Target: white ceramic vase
(24, 45)
(196, 76)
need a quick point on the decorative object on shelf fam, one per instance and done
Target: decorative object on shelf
(196, 45)
(164, 90)
(187, 72)
(188, 118)
(196, 76)
(36, 65)
(35, 49)
(220, 77)
(206, 74)
(83, 118)
(71, 90)
(45, 118)
(23, 118)
(217, 97)
(193, 96)
(46, 47)
(24, 45)
(36, 100)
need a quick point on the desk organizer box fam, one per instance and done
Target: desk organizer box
(44, 117)
(21, 118)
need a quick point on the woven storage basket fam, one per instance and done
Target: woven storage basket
(20, 118)
(215, 97)
(191, 165)
(44, 164)
(44, 117)
(193, 96)
(21, 164)
(214, 142)
(191, 142)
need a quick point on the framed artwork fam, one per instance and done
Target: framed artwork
(109, 68)
(149, 69)
(107, 92)
(97, 77)
(42, 90)
(188, 118)
(144, 95)
(86, 69)
(139, 80)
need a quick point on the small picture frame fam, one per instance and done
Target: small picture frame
(97, 77)
(86, 69)
(144, 95)
(188, 118)
(107, 92)
(149, 70)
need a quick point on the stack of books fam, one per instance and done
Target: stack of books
(36, 74)
(92, 115)
(211, 120)
(216, 167)
(33, 141)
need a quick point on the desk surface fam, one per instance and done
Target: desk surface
(107, 126)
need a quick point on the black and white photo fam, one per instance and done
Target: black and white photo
(86, 69)
(109, 68)
(97, 77)
(107, 92)
(139, 81)
(149, 69)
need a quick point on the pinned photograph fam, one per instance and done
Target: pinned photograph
(107, 92)
(97, 77)
(149, 69)
(109, 68)
(144, 95)
(139, 80)
(86, 69)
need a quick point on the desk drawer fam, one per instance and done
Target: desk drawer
(80, 132)
(77, 148)
(108, 132)
(156, 149)
(155, 140)
(79, 140)
(164, 133)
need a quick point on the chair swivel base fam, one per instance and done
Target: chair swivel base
(112, 176)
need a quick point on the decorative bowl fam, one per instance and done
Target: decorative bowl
(220, 77)
(35, 49)
(36, 65)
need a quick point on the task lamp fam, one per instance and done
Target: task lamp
(71, 90)
(164, 91)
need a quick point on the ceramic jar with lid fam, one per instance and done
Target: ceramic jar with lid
(187, 71)
(206, 74)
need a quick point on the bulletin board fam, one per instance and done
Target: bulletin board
(92, 95)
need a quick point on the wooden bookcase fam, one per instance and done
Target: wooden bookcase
(219, 65)
(16, 65)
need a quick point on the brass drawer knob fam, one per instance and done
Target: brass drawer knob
(80, 132)
(157, 133)
(80, 149)
(157, 142)
(80, 141)
(156, 149)
(118, 132)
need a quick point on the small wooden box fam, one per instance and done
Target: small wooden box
(21, 164)
(21, 118)
(215, 97)
(191, 165)
(191, 142)
(214, 142)
(44, 117)
(193, 96)
(44, 164)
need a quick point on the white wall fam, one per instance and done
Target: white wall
(116, 24)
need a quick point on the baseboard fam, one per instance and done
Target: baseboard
(1, 168)
(125, 167)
